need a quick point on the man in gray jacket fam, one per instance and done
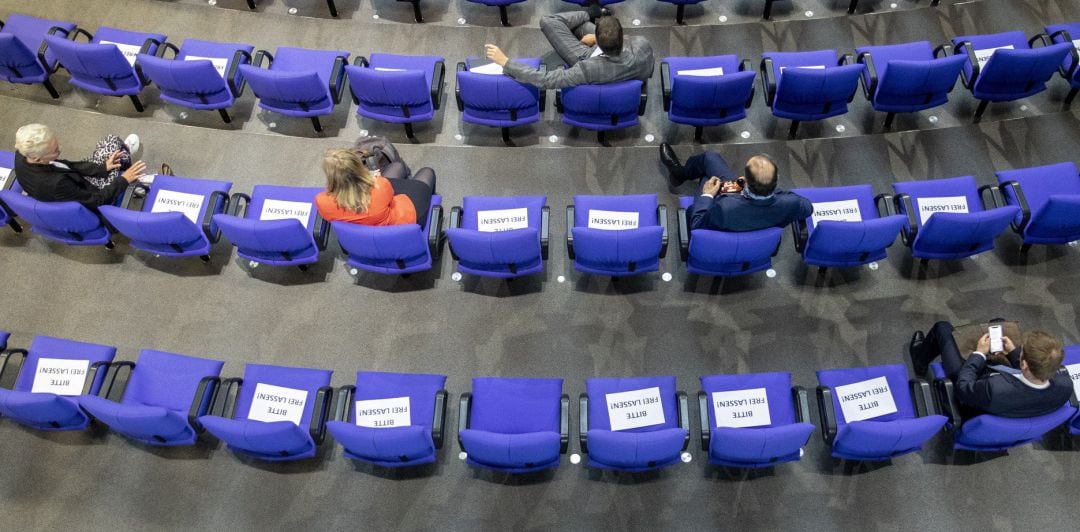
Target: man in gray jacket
(594, 54)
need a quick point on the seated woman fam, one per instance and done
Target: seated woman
(100, 180)
(358, 195)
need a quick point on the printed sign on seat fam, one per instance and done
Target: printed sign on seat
(633, 424)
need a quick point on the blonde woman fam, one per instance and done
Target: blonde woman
(359, 195)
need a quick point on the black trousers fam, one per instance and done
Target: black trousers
(940, 342)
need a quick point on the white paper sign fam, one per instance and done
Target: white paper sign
(173, 201)
(982, 56)
(284, 210)
(1076, 44)
(811, 67)
(1074, 372)
(493, 69)
(129, 50)
(383, 413)
(741, 408)
(596, 52)
(218, 62)
(702, 72)
(277, 403)
(385, 69)
(634, 409)
(60, 376)
(502, 220)
(840, 211)
(612, 220)
(928, 206)
(866, 399)
(5, 173)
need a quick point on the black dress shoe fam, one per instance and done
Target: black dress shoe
(595, 10)
(916, 344)
(676, 171)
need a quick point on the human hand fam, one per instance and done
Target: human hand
(1008, 343)
(495, 54)
(712, 186)
(589, 39)
(113, 162)
(137, 170)
(984, 344)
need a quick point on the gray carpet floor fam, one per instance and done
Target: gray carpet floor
(538, 326)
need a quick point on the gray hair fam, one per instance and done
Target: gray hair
(32, 140)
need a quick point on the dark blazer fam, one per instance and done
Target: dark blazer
(1000, 394)
(737, 213)
(45, 182)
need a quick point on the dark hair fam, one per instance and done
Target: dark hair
(609, 35)
(760, 173)
(1043, 354)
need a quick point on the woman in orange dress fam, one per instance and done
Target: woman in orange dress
(358, 195)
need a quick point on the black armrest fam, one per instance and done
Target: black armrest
(1039, 38)
(768, 81)
(129, 194)
(745, 66)
(947, 404)
(323, 399)
(435, 232)
(6, 355)
(1065, 37)
(545, 231)
(827, 414)
(337, 78)
(703, 417)
(665, 83)
(904, 200)
(457, 87)
(799, 234)
(564, 423)
(967, 47)
(91, 377)
(241, 57)
(45, 46)
(1025, 210)
(464, 411)
(202, 401)
(883, 203)
(684, 235)
(321, 231)
(661, 217)
(570, 232)
(166, 46)
(343, 404)
(543, 92)
(644, 98)
(108, 385)
(224, 404)
(438, 421)
(683, 406)
(994, 201)
(208, 214)
(360, 61)
(237, 200)
(920, 397)
(80, 31)
(869, 87)
(942, 51)
(583, 422)
(437, 79)
(802, 404)
(455, 222)
(558, 101)
(260, 56)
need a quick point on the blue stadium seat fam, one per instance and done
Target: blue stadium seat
(8, 182)
(497, 100)
(802, 86)
(298, 82)
(724, 254)
(501, 237)
(393, 249)
(276, 225)
(67, 222)
(846, 228)
(514, 425)
(633, 424)
(602, 108)
(616, 235)
(1049, 200)
(706, 91)
(501, 4)
(909, 77)
(202, 75)
(400, 89)
(1067, 33)
(21, 61)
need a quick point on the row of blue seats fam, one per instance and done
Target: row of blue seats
(508, 237)
(698, 91)
(515, 425)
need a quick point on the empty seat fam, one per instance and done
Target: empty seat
(276, 225)
(616, 235)
(706, 91)
(106, 64)
(1049, 200)
(725, 254)
(803, 86)
(67, 222)
(400, 89)
(277, 413)
(1067, 33)
(176, 217)
(163, 396)
(202, 75)
(680, 8)
(52, 375)
(501, 4)
(393, 249)
(500, 237)
(8, 181)
(515, 425)
(753, 420)
(846, 228)
(633, 424)
(495, 99)
(298, 82)
(871, 414)
(20, 41)
(602, 108)
(391, 419)
(905, 78)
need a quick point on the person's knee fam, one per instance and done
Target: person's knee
(394, 170)
(942, 327)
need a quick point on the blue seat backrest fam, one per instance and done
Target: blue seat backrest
(598, 389)
(59, 348)
(777, 391)
(515, 405)
(643, 204)
(167, 380)
(472, 205)
(419, 388)
(286, 377)
(895, 375)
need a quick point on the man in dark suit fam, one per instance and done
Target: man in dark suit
(725, 202)
(1039, 388)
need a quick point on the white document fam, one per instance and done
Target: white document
(383, 413)
(982, 56)
(182, 202)
(612, 220)
(218, 62)
(928, 206)
(60, 376)
(5, 173)
(1074, 372)
(1076, 44)
(741, 408)
(502, 220)
(490, 68)
(277, 403)
(596, 52)
(840, 211)
(811, 67)
(129, 50)
(702, 72)
(385, 69)
(284, 210)
(634, 409)
(866, 399)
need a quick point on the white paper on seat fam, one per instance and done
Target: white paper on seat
(928, 206)
(702, 72)
(596, 52)
(741, 408)
(277, 403)
(612, 220)
(635, 408)
(218, 62)
(866, 399)
(60, 376)
(383, 413)
(811, 67)
(284, 210)
(182, 202)
(1076, 44)
(385, 69)
(129, 50)
(1074, 372)
(982, 56)
(502, 220)
(5, 173)
(840, 211)
(490, 68)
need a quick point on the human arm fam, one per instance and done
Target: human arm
(89, 196)
(86, 168)
(1012, 350)
(547, 79)
(970, 389)
(699, 212)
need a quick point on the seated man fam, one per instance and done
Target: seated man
(591, 59)
(725, 202)
(1038, 389)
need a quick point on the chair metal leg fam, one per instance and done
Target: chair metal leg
(822, 275)
(503, 16)
(303, 267)
(333, 8)
(852, 6)
(506, 135)
(110, 245)
(768, 10)
(600, 137)
(205, 258)
(15, 225)
(679, 12)
(316, 124)
(793, 130)
(135, 101)
(1024, 248)
(52, 90)
(251, 4)
(699, 134)
(416, 11)
(1069, 98)
(888, 120)
(225, 115)
(981, 109)
(409, 131)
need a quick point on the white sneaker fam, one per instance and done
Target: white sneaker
(133, 144)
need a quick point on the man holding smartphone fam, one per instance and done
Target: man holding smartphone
(1039, 388)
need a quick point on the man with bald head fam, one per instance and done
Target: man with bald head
(726, 202)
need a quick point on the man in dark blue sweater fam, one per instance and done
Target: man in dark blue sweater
(721, 206)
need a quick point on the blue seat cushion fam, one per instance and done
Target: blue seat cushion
(393, 446)
(758, 445)
(277, 439)
(43, 411)
(150, 424)
(635, 450)
(527, 451)
(881, 440)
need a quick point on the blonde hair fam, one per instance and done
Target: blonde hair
(32, 140)
(348, 181)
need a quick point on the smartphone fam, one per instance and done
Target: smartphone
(995, 339)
